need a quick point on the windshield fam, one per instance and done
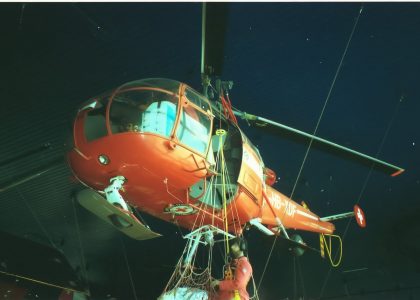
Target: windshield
(152, 106)
(145, 109)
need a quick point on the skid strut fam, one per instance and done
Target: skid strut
(112, 193)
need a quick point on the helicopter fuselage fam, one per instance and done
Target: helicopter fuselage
(180, 159)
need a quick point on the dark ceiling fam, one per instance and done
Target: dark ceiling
(282, 58)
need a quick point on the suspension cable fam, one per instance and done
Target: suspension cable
(79, 238)
(327, 99)
(390, 123)
(301, 277)
(37, 219)
(128, 269)
(222, 133)
(315, 130)
(294, 278)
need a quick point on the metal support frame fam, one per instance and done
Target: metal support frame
(282, 228)
(338, 217)
(204, 235)
(279, 222)
(257, 223)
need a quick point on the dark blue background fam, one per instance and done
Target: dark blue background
(282, 58)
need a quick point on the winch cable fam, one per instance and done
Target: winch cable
(128, 269)
(79, 238)
(314, 132)
(34, 215)
(301, 277)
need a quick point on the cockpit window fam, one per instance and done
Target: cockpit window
(143, 110)
(95, 121)
(194, 129)
(197, 99)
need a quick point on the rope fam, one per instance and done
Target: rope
(328, 247)
(327, 99)
(266, 263)
(186, 276)
(294, 278)
(222, 133)
(301, 278)
(82, 254)
(315, 130)
(200, 213)
(128, 269)
(254, 287)
(37, 219)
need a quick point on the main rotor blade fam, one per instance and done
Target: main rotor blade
(214, 22)
(379, 164)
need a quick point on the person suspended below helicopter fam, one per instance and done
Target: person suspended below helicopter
(237, 275)
(192, 280)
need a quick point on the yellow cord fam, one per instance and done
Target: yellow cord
(221, 133)
(228, 273)
(328, 248)
(321, 245)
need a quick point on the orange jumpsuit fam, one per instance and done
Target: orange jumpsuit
(243, 273)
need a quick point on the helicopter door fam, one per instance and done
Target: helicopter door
(210, 190)
(251, 174)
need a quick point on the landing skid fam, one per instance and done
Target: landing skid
(122, 220)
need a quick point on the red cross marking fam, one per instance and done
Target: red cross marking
(360, 216)
(181, 209)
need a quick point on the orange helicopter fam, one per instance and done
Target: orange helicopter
(160, 147)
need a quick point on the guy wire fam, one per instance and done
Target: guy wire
(390, 123)
(82, 253)
(37, 219)
(315, 131)
(128, 269)
(326, 100)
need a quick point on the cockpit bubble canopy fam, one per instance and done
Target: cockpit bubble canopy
(157, 106)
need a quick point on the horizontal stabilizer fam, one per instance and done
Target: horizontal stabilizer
(337, 217)
(357, 213)
(124, 221)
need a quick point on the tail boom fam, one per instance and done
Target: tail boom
(277, 207)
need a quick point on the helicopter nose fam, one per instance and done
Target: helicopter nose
(138, 157)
